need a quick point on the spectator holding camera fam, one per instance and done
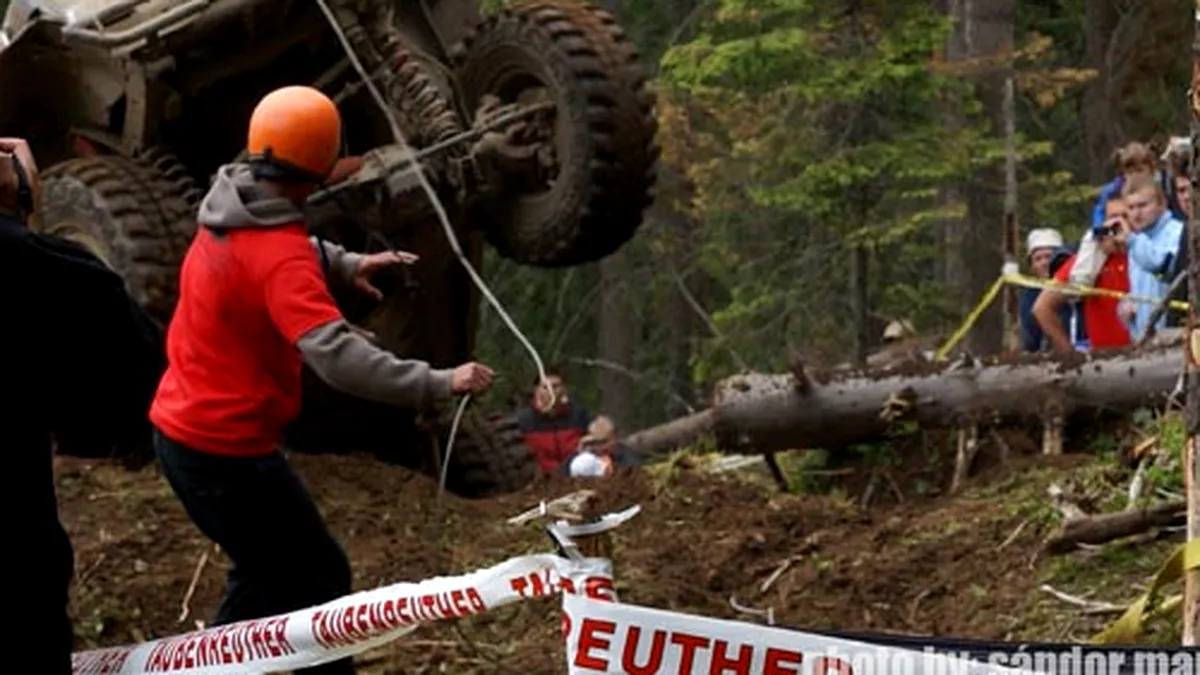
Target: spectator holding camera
(1104, 328)
(83, 358)
(1131, 160)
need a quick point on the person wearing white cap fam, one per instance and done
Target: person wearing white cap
(1041, 245)
(599, 453)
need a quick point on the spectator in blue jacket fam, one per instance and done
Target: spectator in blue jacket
(1153, 242)
(1133, 159)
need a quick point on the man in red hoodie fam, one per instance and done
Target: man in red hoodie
(253, 306)
(552, 424)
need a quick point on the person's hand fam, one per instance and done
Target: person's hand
(471, 378)
(343, 169)
(372, 263)
(1120, 230)
(18, 148)
(1126, 311)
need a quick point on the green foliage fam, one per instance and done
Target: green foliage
(795, 134)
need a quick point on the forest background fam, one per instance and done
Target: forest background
(832, 165)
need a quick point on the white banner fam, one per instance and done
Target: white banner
(607, 637)
(348, 625)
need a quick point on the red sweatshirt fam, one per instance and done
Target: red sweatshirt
(253, 307)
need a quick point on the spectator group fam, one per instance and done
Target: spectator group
(1134, 247)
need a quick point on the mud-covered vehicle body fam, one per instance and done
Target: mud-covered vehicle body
(535, 126)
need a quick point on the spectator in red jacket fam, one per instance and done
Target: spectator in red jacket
(552, 424)
(1104, 327)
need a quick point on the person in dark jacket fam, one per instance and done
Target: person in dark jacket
(1044, 246)
(1176, 180)
(552, 424)
(82, 359)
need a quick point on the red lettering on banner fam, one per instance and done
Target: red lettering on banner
(540, 587)
(777, 660)
(599, 588)
(642, 656)
(589, 640)
(658, 644)
(238, 643)
(721, 661)
(518, 584)
(537, 584)
(101, 662)
(826, 664)
(594, 588)
(688, 644)
(358, 623)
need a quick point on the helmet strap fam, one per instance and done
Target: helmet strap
(266, 166)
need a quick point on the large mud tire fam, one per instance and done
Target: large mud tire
(489, 457)
(132, 214)
(605, 129)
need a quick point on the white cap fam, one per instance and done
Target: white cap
(1178, 145)
(1043, 238)
(897, 329)
(587, 465)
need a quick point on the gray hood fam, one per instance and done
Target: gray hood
(235, 201)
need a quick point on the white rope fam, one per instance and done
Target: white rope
(462, 406)
(445, 221)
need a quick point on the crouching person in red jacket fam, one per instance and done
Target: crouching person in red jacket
(253, 307)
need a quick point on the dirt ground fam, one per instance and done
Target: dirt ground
(913, 561)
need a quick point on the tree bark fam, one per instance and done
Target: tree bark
(1191, 459)
(1106, 527)
(983, 31)
(759, 412)
(675, 434)
(1097, 108)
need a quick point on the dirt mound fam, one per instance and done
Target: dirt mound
(934, 566)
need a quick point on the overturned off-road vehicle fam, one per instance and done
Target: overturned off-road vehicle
(534, 125)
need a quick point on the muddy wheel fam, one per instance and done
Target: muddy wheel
(176, 193)
(126, 212)
(489, 457)
(598, 183)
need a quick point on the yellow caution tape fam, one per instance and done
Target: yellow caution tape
(1071, 289)
(1025, 281)
(1127, 629)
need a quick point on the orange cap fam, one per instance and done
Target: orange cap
(296, 129)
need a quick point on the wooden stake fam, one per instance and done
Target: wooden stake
(968, 445)
(1052, 431)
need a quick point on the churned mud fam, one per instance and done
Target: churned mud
(912, 561)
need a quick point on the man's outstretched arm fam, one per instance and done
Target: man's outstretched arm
(302, 309)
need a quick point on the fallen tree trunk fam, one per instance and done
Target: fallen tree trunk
(672, 435)
(1107, 527)
(758, 412)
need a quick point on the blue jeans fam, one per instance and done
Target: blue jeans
(262, 516)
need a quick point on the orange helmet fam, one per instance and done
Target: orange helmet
(295, 135)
